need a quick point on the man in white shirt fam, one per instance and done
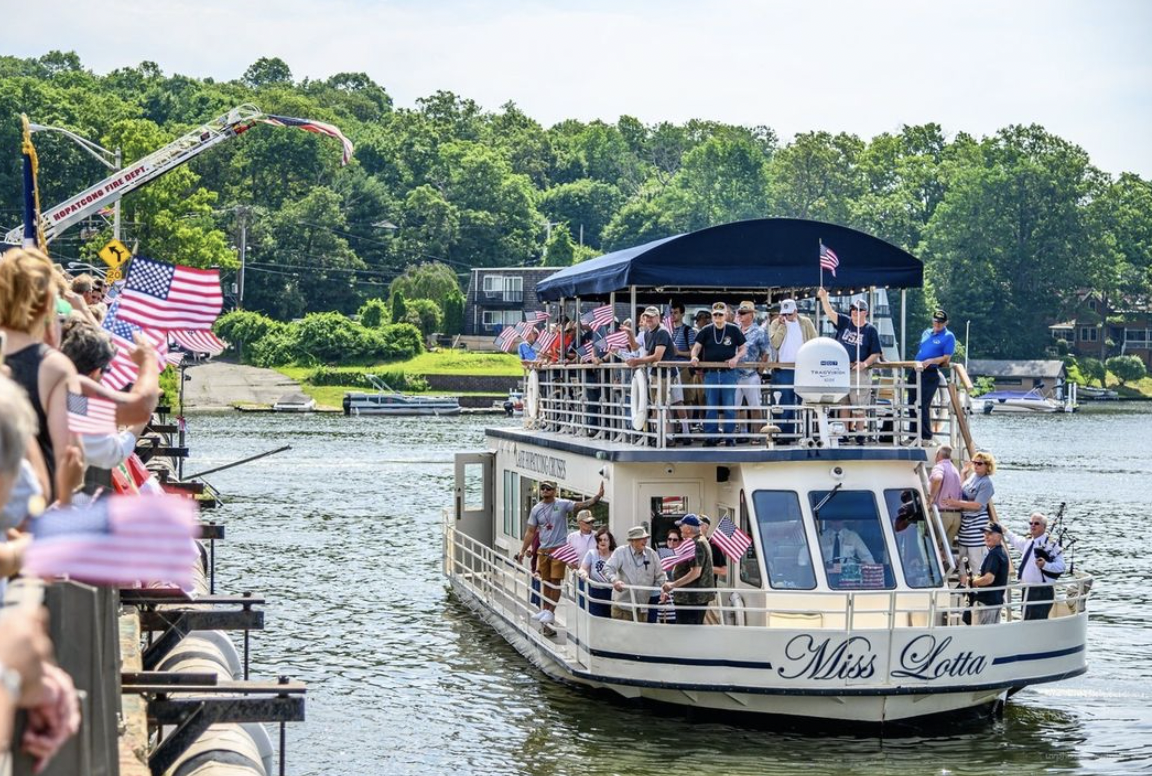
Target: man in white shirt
(839, 544)
(636, 565)
(1041, 562)
(583, 539)
(786, 333)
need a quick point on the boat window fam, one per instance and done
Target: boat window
(852, 541)
(473, 487)
(913, 541)
(512, 521)
(749, 563)
(663, 512)
(783, 540)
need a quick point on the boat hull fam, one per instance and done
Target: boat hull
(406, 410)
(699, 684)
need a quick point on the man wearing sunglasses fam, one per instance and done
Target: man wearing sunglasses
(1041, 562)
(720, 342)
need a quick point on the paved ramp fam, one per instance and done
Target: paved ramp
(219, 385)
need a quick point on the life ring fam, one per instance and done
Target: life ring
(639, 399)
(532, 395)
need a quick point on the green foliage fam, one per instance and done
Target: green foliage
(244, 327)
(331, 338)
(983, 385)
(583, 203)
(454, 312)
(1093, 370)
(428, 280)
(1127, 369)
(373, 313)
(425, 315)
(399, 307)
(279, 346)
(395, 379)
(170, 386)
(559, 251)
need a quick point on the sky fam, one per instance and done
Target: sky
(1083, 69)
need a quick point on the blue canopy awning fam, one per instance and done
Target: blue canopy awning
(748, 256)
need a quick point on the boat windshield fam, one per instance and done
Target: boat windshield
(913, 541)
(782, 536)
(852, 541)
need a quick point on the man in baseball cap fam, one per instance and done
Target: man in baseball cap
(786, 333)
(937, 345)
(993, 573)
(720, 342)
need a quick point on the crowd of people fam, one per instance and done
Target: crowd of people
(53, 348)
(718, 380)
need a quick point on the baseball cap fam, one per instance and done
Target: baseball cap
(701, 314)
(719, 307)
(585, 516)
(653, 311)
(860, 304)
(940, 316)
(788, 306)
(547, 486)
(746, 307)
(705, 519)
(691, 520)
(994, 528)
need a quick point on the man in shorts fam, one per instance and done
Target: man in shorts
(549, 519)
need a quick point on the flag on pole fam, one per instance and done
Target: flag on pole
(170, 296)
(319, 127)
(547, 341)
(730, 539)
(566, 553)
(122, 370)
(666, 322)
(524, 327)
(537, 316)
(601, 316)
(685, 552)
(587, 353)
(198, 341)
(117, 541)
(91, 414)
(828, 259)
(506, 339)
(33, 228)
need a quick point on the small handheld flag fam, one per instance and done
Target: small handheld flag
(506, 339)
(566, 553)
(828, 259)
(198, 341)
(601, 316)
(537, 316)
(170, 296)
(617, 340)
(91, 415)
(685, 552)
(731, 540)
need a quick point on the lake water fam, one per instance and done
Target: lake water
(341, 535)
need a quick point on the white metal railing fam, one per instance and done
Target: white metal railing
(600, 402)
(508, 588)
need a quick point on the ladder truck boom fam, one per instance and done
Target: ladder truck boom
(100, 195)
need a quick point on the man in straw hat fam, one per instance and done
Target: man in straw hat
(633, 565)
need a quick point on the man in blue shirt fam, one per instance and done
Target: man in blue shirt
(527, 352)
(936, 348)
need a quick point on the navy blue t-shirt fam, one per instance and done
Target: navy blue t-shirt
(849, 336)
(717, 345)
(996, 561)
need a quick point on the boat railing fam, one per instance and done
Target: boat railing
(511, 589)
(617, 403)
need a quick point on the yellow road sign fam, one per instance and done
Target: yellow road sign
(112, 275)
(115, 253)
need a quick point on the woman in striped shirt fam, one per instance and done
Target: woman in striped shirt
(976, 492)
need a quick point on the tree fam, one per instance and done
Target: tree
(425, 315)
(559, 251)
(1093, 370)
(267, 71)
(818, 176)
(427, 280)
(374, 313)
(399, 307)
(454, 312)
(584, 203)
(1128, 369)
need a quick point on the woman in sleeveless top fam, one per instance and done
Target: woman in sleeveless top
(29, 288)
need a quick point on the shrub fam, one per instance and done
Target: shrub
(1126, 368)
(374, 313)
(277, 348)
(399, 308)
(400, 381)
(331, 337)
(241, 327)
(425, 315)
(454, 313)
(397, 341)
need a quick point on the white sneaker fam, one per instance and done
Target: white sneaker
(540, 615)
(546, 617)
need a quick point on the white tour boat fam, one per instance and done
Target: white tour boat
(876, 637)
(389, 402)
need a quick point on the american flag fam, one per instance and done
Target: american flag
(730, 539)
(686, 551)
(122, 370)
(174, 358)
(566, 553)
(117, 541)
(617, 340)
(666, 322)
(319, 127)
(547, 341)
(828, 260)
(169, 296)
(91, 415)
(601, 316)
(524, 327)
(587, 353)
(506, 339)
(538, 316)
(198, 341)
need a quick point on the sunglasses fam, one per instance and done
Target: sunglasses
(673, 539)
(1036, 523)
(717, 315)
(979, 463)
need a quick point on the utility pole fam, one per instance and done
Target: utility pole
(242, 215)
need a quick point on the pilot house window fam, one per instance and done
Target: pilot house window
(782, 537)
(851, 540)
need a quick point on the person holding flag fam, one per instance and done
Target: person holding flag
(862, 342)
(694, 577)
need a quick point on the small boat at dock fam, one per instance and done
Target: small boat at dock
(387, 401)
(294, 402)
(1021, 401)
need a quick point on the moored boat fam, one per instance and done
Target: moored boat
(389, 402)
(294, 402)
(1020, 401)
(802, 627)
